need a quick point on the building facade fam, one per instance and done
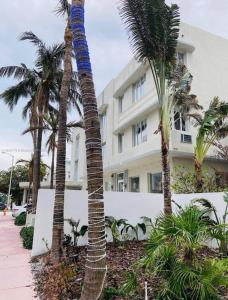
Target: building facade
(129, 115)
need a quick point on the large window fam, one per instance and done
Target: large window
(103, 124)
(120, 142)
(155, 183)
(139, 89)
(135, 184)
(180, 122)
(120, 182)
(139, 132)
(180, 58)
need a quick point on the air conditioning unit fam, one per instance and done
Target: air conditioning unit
(186, 138)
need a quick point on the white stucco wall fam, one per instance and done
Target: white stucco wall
(130, 206)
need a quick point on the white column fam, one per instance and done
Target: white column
(24, 196)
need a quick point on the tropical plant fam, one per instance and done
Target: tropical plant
(213, 126)
(76, 230)
(96, 269)
(38, 84)
(58, 218)
(218, 226)
(153, 28)
(172, 258)
(29, 164)
(184, 180)
(117, 227)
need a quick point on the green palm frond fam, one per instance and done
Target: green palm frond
(31, 37)
(63, 8)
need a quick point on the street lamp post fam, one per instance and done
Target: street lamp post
(11, 176)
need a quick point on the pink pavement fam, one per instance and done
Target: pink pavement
(15, 272)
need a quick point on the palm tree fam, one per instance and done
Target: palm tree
(36, 83)
(153, 28)
(96, 269)
(58, 218)
(213, 126)
(30, 166)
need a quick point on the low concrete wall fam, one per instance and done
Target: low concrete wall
(130, 206)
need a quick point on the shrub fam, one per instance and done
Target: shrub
(26, 234)
(184, 181)
(172, 256)
(20, 220)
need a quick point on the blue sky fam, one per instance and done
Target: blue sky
(108, 43)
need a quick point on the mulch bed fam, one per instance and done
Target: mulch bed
(120, 260)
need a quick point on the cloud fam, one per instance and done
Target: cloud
(109, 46)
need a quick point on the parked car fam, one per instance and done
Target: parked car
(17, 210)
(2, 206)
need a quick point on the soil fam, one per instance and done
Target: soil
(120, 261)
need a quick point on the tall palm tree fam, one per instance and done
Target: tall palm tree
(153, 28)
(58, 218)
(95, 271)
(213, 126)
(38, 84)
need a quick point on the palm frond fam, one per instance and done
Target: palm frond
(17, 72)
(31, 37)
(63, 8)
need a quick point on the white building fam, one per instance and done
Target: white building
(129, 114)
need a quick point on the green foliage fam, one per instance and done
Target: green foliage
(172, 257)
(20, 220)
(184, 181)
(76, 230)
(116, 226)
(20, 174)
(111, 293)
(26, 234)
(218, 227)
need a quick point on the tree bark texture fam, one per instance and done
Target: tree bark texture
(199, 176)
(95, 269)
(58, 218)
(166, 175)
(52, 169)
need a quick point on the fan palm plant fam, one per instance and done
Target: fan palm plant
(153, 28)
(213, 126)
(95, 271)
(37, 84)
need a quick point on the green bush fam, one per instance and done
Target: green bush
(20, 220)
(26, 234)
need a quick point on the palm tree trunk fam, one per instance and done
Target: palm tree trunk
(52, 169)
(95, 269)
(166, 174)
(199, 176)
(36, 169)
(58, 219)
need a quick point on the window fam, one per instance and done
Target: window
(179, 121)
(120, 182)
(139, 89)
(120, 142)
(76, 171)
(103, 124)
(180, 58)
(120, 103)
(139, 132)
(104, 148)
(77, 146)
(135, 184)
(155, 183)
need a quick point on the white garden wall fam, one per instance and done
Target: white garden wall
(130, 206)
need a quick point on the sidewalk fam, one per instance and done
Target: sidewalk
(15, 273)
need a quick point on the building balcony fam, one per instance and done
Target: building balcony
(136, 112)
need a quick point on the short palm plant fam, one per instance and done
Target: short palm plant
(153, 28)
(172, 257)
(213, 126)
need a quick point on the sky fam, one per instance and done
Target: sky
(108, 43)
